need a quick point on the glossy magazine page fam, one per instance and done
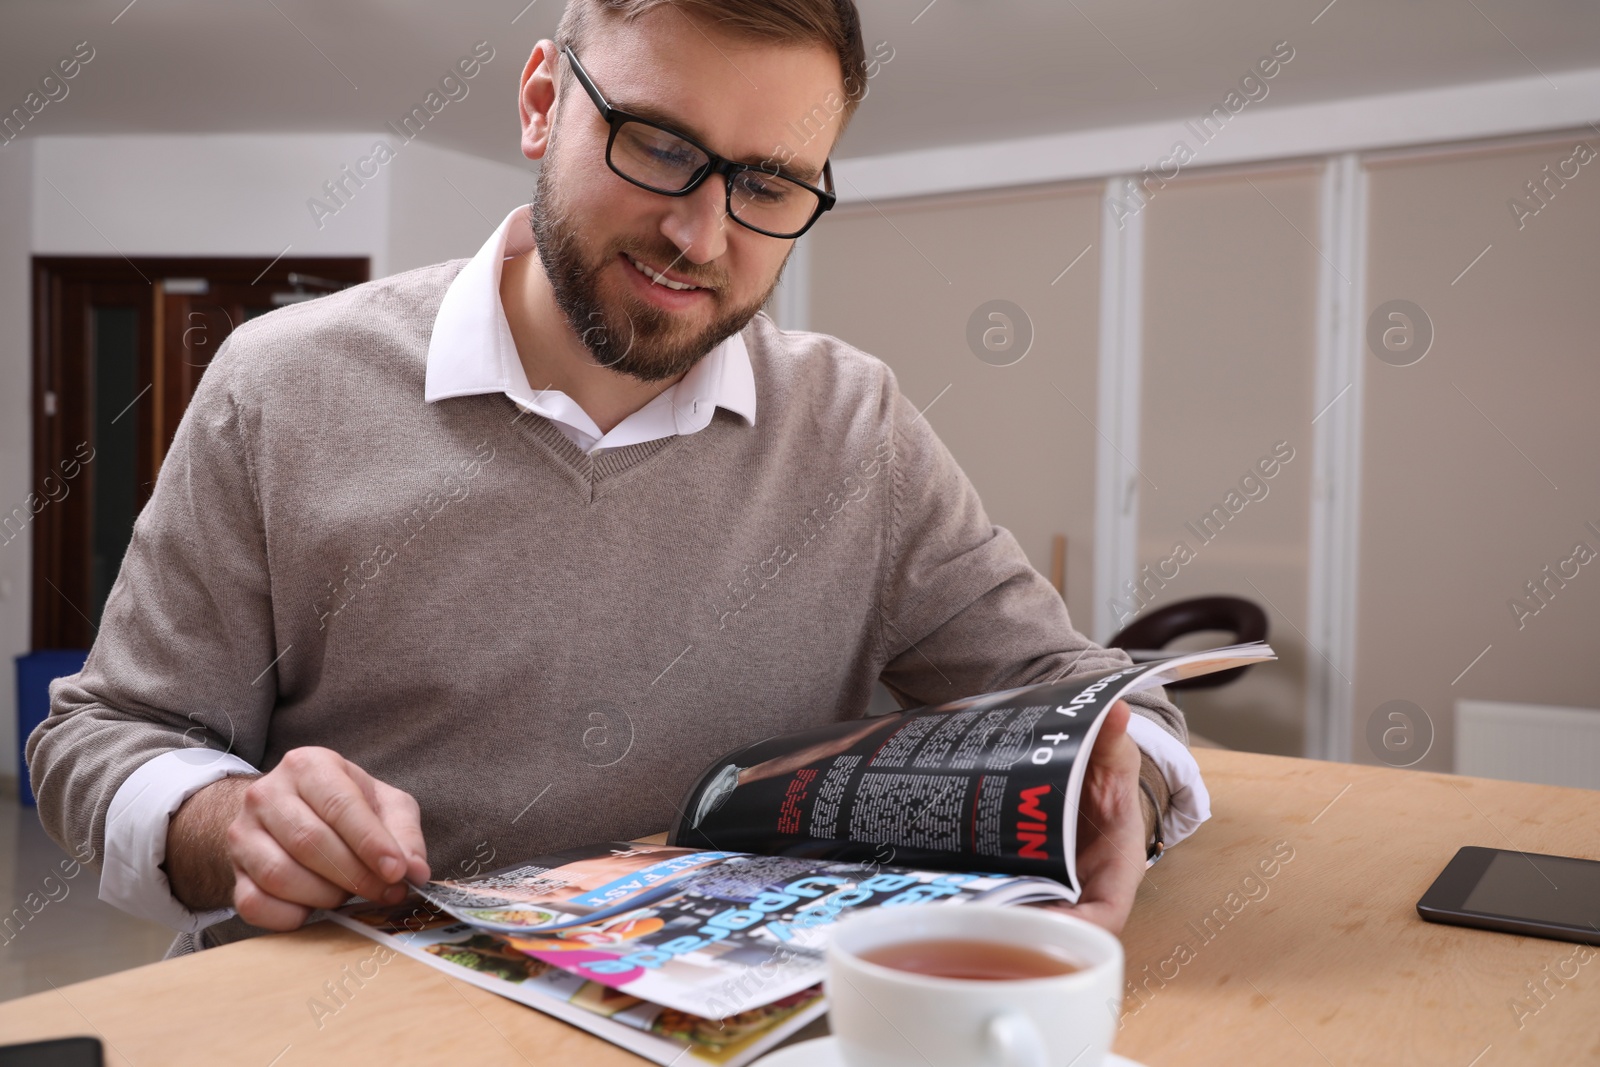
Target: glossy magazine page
(989, 782)
(664, 1035)
(575, 887)
(720, 935)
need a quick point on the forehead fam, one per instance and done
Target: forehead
(748, 100)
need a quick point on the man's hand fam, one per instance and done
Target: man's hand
(1114, 825)
(311, 833)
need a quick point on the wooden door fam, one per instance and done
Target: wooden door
(120, 346)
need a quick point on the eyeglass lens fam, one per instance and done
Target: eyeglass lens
(667, 163)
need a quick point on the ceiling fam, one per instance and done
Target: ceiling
(962, 70)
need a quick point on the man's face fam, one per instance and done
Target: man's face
(748, 102)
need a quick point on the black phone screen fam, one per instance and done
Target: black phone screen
(61, 1052)
(1518, 892)
(1551, 889)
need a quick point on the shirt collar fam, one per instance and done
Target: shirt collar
(471, 352)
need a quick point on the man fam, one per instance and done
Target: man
(493, 557)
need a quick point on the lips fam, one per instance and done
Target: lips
(664, 297)
(678, 284)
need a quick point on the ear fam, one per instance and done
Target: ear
(536, 101)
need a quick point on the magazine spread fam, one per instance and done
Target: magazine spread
(710, 948)
(666, 1036)
(706, 933)
(988, 782)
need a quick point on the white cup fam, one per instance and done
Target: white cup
(884, 1017)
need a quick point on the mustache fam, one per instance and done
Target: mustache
(671, 261)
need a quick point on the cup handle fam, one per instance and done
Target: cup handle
(1017, 1041)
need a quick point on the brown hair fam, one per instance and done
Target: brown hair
(832, 24)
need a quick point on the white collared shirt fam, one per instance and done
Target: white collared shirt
(471, 352)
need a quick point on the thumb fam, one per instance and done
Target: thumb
(1115, 725)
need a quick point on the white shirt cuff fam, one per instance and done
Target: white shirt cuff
(131, 877)
(1191, 803)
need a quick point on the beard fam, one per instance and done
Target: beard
(626, 335)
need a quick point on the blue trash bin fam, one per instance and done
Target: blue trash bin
(35, 672)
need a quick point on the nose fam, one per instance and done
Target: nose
(697, 223)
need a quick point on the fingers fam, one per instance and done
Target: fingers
(259, 908)
(400, 813)
(1110, 875)
(1111, 843)
(314, 831)
(1104, 914)
(302, 837)
(277, 887)
(1110, 803)
(333, 789)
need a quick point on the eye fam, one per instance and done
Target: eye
(656, 149)
(679, 155)
(763, 188)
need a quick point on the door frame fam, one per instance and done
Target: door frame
(61, 413)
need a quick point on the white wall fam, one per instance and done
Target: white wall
(248, 195)
(444, 205)
(16, 426)
(205, 195)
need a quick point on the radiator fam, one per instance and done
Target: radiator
(1528, 743)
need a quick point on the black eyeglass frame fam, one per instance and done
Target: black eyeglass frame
(615, 118)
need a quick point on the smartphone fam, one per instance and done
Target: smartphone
(1518, 893)
(62, 1052)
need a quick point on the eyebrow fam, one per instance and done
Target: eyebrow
(806, 173)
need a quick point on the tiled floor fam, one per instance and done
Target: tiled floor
(55, 929)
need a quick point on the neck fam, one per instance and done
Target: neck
(553, 357)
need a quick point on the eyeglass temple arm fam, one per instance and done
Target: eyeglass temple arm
(828, 186)
(588, 85)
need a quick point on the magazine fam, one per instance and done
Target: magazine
(710, 934)
(989, 782)
(488, 960)
(656, 947)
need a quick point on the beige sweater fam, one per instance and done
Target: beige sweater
(458, 599)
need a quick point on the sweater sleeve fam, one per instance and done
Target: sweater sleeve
(184, 653)
(962, 610)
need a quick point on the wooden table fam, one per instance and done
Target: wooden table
(1323, 961)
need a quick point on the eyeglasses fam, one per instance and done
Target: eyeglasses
(662, 160)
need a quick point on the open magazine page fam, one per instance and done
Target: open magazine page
(717, 937)
(989, 782)
(571, 888)
(663, 1035)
